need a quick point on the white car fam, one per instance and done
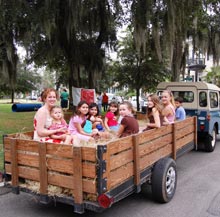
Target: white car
(142, 102)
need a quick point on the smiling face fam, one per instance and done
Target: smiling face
(166, 98)
(93, 111)
(50, 99)
(124, 110)
(84, 109)
(150, 102)
(113, 108)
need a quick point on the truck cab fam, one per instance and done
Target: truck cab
(202, 100)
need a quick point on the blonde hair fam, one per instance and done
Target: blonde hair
(56, 107)
(171, 97)
(129, 106)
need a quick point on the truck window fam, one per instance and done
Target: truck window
(213, 99)
(187, 96)
(202, 99)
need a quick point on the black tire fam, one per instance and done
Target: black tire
(210, 141)
(164, 180)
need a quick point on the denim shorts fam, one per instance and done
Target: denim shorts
(114, 128)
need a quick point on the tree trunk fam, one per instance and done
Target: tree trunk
(176, 60)
(12, 96)
(137, 96)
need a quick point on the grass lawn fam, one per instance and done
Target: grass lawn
(13, 122)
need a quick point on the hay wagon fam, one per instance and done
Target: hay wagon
(95, 178)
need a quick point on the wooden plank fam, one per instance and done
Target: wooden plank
(121, 159)
(57, 179)
(121, 174)
(25, 172)
(42, 168)
(14, 163)
(184, 131)
(89, 186)
(7, 143)
(28, 160)
(155, 144)
(174, 142)
(28, 145)
(185, 140)
(89, 154)
(77, 171)
(153, 157)
(154, 134)
(182, 124)
(60, 165)
(60, 150)
(66, 151)
(66, 166)
(120, 145)
(7, 155)
(136, 156)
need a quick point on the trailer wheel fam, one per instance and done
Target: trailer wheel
(164, 180)
(210, 141)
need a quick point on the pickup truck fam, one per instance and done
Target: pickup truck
(202, 100)
(94, 177)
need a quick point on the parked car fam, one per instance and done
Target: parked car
(142, 102)
(31, 97)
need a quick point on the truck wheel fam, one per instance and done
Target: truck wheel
(164, 180)
(210, 141)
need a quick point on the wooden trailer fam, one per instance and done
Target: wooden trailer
(94, 178)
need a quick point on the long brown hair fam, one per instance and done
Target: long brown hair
(77, 112)
(156, 100)
(113, 104)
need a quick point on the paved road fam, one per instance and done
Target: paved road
(197, 195)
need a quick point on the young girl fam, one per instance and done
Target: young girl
(129, 125)
(154, 112)
(110, 121)
(75, 124)
(94, 123)
(58, 122)
(97, 122)
(168, 110)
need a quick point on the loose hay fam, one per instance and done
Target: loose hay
(52, 189)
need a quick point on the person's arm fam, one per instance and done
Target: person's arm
(120, 130)
(80, 129)
(41, 118)
(106, 124)
(61, 137)
(166, 112)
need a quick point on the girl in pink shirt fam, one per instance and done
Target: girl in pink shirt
(76, 121)
(111, 122)
(168, 110)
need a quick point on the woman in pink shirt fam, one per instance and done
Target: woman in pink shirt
(168, 110)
